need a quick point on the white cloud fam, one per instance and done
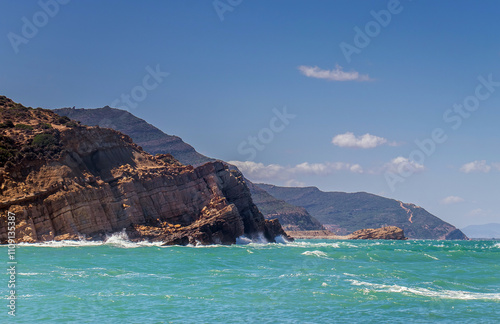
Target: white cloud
(496, 165)
(336, 74)
(402, 165)
(260, 172)
(325, 168)
(451, 200)
(476, 166)
(294, 183)
(366, 141)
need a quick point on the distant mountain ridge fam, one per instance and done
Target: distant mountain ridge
(293, 217)
(150, 138)
(345, 213)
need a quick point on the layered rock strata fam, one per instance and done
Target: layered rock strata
(96, 181)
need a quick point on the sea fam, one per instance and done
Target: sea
(306, 281)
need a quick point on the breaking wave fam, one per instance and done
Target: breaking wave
(120, 240)
(444, 293)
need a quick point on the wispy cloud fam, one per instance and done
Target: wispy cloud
(294, 183)
(402, 164)
(476, 166)
(336, 74)
(261, 172)
(451, 200)
(365, 141)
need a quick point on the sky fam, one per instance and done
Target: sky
(396, 98)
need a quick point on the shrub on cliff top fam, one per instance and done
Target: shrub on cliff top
(24, 126)
(44, 140)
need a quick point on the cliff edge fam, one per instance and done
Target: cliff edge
(67, 181)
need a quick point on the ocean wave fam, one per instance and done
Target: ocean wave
(29, 274)
(302, 244)
(317, 253)
(119, 239)
(430, 256)
(444, 293)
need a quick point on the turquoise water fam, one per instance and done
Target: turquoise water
(308, 281)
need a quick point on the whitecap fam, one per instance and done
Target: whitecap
(29, 273)
(244, 240)
(119, 239)
(313, 245)
(281, 239)
(444, 293)
(317, 253)
(430, 256)
(64, 243)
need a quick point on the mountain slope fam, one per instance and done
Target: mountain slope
(489, 231)
(154, 141)
(291, 217)
(345, 213)
(63, 180)
(150, 138)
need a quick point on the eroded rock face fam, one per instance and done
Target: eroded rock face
(383, 233)
(100, 182)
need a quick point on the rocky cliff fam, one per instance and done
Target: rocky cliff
(65, 181)
(154, 141)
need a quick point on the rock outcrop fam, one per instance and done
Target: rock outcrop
(383, 233)
(64, 181)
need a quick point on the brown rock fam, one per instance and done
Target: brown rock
(58, 197)
(383, 233)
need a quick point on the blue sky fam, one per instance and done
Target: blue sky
(232, 78)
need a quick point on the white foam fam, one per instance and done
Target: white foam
(319, 254)
(281, 239)
(64, 243)
(119, 239)
(430, 256)
(244, 240)
(313, 245)
(444, 294)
